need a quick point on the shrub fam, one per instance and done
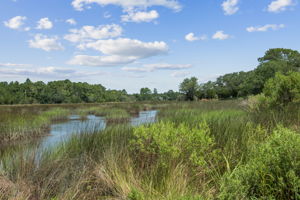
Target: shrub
(165, 142)
(257, 103)
(272, 171)
(283, 89)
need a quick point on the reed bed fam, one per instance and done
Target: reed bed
(19, 125)
(195, 151)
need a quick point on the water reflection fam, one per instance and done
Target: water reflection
(145, 117)
(61, 132)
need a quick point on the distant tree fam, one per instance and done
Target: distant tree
(170, 95)
(155, 95)
(189, 88)
(58, 92)
(208, 90)
(145, 94)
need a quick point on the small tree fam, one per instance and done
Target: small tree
(189, 88)
(145, 94)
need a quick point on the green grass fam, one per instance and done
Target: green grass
(21, 125)
(196, 151)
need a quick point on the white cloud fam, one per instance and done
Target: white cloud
(230, 7)
(191, 37)
(167, 66)
(47, 72)
(92, 32)
(45, 43)
(140, 16)
(71, 21)
(157, 66)
(12, 65)
(280, 5)
(128, 47)
(44, 23)
(16, 23)
(180, 74)
(100, 61)
(119, 52)
(125, 4)
(220, 35)
(265, 28)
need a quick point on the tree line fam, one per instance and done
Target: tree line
(65, 91)
(285, 63)
(232, 85)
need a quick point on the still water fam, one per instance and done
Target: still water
(62, 132)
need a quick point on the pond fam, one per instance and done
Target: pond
(62, 132)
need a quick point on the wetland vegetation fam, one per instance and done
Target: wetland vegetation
(214, 148)
(195, 150)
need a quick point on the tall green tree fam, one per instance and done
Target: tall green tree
(189, 88)
(145, 94)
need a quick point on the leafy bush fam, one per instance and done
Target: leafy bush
(165, 142)
(257, 103)
(283, 89)
(272, 171)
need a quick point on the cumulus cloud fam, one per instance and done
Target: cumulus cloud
(125, 4)
(92, 32)
(71, 21)
(220, 35)
(280, 5)
(45, 43)
(157, 66)
(191, 37)
(16, 23)
(119, 52)
(230, 7)
(140, 16)
(128, 47)
(44, 23)
(265, 28)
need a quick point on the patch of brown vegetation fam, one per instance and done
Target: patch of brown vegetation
(12, 191)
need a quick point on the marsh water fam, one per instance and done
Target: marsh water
(63, 131)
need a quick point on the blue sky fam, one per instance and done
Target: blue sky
(129, 44)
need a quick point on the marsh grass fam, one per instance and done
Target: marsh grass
(104, 165)
(22, 124)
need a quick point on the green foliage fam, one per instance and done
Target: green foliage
(191, 198)
(196, 150)
(166, 142)
(57, 92)
(279, 54)
(272, 171)
(189, 88)
(19, 125)
(145, 94)
(135, 195)
(257, 103)
(283, 89)
(243, 84)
